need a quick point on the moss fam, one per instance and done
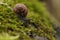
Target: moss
(11, 25)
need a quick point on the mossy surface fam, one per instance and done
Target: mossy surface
(10, 25)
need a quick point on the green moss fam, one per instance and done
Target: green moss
(36, 13)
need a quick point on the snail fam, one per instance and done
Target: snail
(21, 10)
